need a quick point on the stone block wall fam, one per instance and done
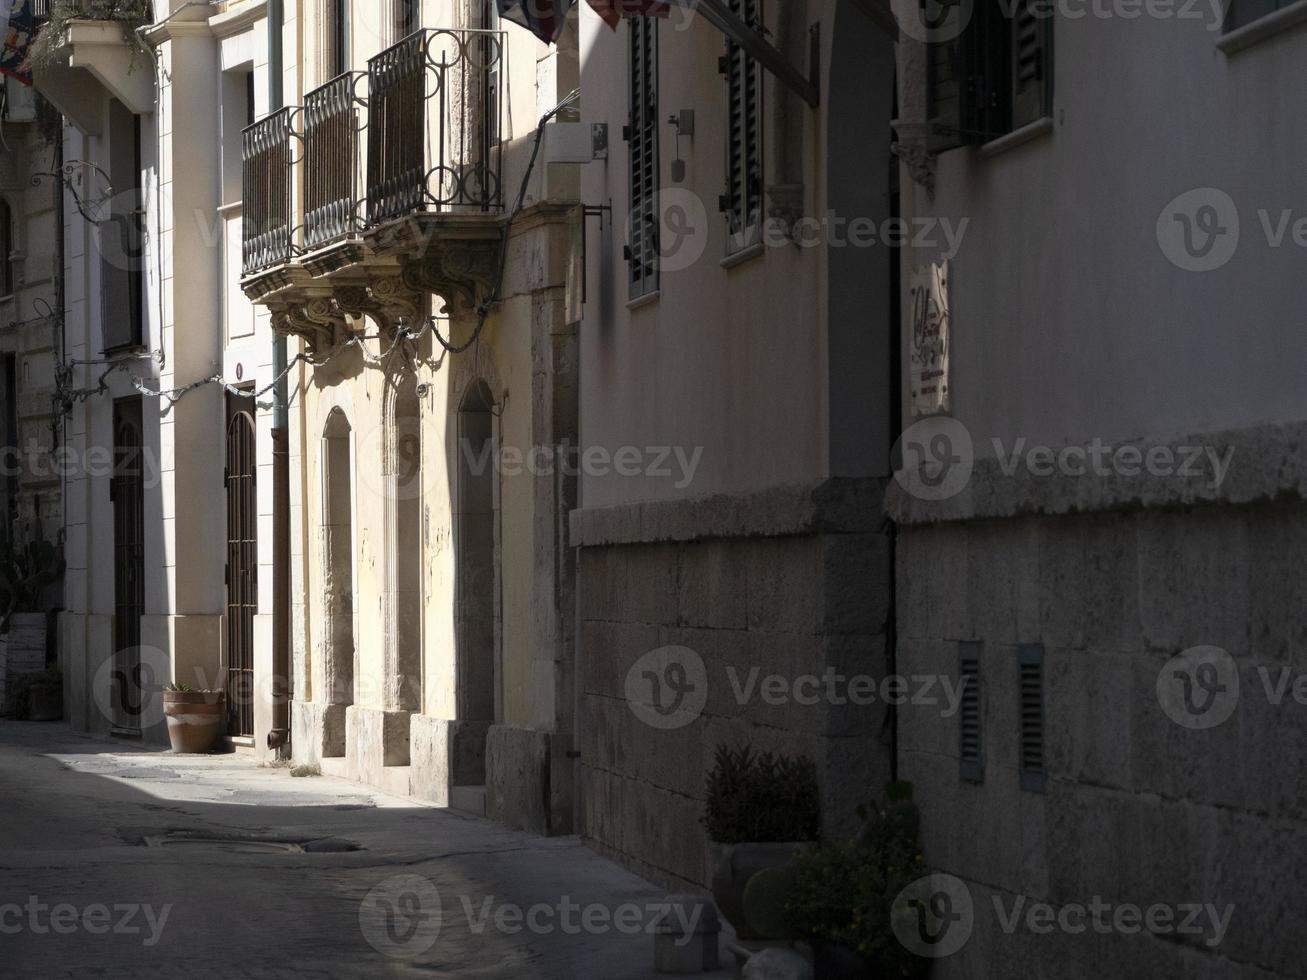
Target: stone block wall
(765, 590)
(1137, 808)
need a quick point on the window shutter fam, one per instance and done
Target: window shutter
(1031, 49)
(971, 751)
(642, 137)
(744, 175)
(1030, 661)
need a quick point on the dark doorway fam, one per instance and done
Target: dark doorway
(127, 493)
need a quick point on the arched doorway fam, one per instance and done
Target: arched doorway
(337, 551)
(476, 589)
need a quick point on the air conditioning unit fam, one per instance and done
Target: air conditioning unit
(17, 101)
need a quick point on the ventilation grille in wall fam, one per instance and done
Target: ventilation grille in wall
(1030, 660)
(970, 726)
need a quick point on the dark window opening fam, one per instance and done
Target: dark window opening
(992, 79)
(122, 236)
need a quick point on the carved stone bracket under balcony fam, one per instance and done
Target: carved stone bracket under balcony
(462, 272)
(318, 321)
(383, 299)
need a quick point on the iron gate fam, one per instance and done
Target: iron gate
(242, 566)
(127, 493)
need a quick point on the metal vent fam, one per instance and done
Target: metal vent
(1030, 661)
(971, 750)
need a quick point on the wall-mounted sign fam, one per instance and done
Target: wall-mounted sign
(928, 354)
(240, 371)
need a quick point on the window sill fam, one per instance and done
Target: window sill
(648, 299)
(125, 352)
(1030, 131)
(1263, 28)
(746, 254)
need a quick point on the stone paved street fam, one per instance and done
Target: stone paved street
(90, 823)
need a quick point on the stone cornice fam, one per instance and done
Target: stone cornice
(1267, 463)
(832, 506)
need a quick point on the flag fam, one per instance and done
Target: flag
(612, 11)
(17, 28)
(543, 18)
(547, 18)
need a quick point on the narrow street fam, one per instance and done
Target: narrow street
(182, 866)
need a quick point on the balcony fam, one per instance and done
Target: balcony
(437, 105)
(382, 188)
(331, 129)
(85, 53)
(266, 188)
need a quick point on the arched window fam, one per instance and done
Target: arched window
(8, 277)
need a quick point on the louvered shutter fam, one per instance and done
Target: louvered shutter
(971, 752)
(1030, 682)
(1032, 38)
(642, 144)
(742, 202)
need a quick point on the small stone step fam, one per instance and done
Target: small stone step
(395, 780)
(337, 766)
(469, 799)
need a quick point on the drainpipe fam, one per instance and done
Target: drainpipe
(279, 736)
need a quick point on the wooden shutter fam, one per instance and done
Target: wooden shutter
(1030, 677)
(1032, 38)
(971, 749)
(642, 143)
(744, 177)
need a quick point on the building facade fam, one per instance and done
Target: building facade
(747, 366)
(29, 300)
(1125, 419)
(415, 254)
(163, 353)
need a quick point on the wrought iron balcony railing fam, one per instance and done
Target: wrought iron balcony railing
(435, 117)
(268, 214)
(331, 159)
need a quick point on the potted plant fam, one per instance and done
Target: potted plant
(840, 895)
(194, 717)
(761, 810)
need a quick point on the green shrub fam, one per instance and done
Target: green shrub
(762, 798)
(844, 892)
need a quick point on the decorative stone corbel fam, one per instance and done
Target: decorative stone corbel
(911, 148)
(317, 321)
(384, 300)
(462, 273)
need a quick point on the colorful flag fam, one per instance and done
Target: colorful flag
(17, 28)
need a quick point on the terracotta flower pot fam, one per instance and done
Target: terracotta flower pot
(194, 719)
